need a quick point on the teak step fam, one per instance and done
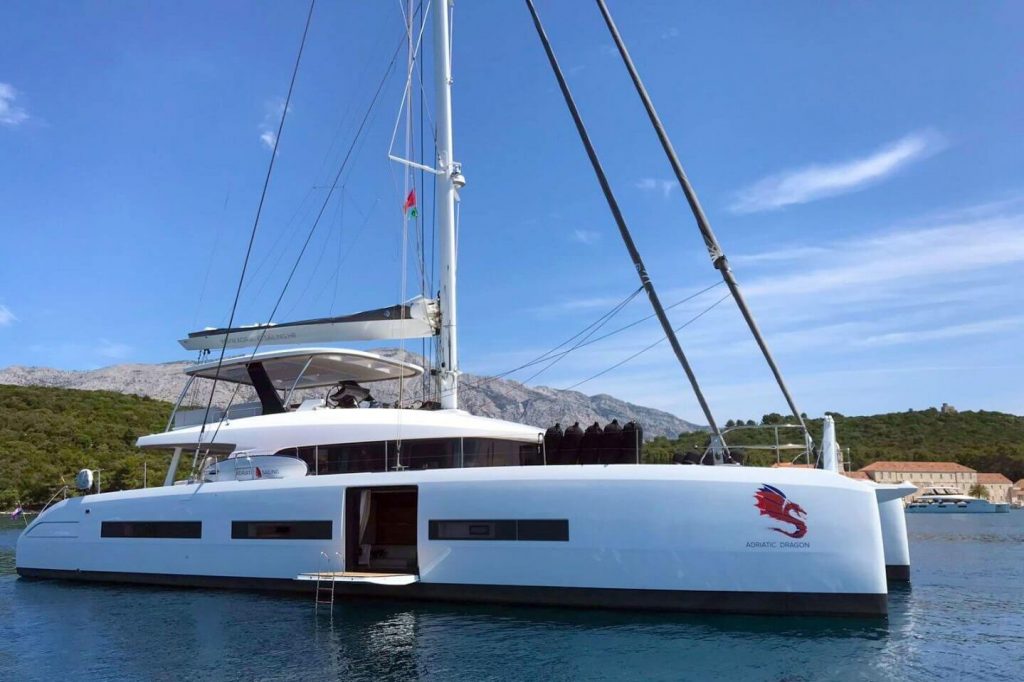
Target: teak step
(332, 577)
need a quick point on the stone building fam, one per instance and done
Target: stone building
(997, 487)
(948, 476)
(1017, 493)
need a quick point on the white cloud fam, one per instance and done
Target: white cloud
(269, 139)
(780, 255)
(585, 236)
(113, 349)
(7, 318)
(656, 184)
(942, 333)
(919, 256)
(819, 181)
(271, 121)
(10, 113)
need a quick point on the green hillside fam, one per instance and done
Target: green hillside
(986, 441)
(48, 434)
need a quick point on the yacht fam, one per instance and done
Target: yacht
(946, 501)
(316, 483)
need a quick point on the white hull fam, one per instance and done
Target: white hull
(638, 536)
(894, 539)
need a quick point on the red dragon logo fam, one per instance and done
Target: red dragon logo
(773, 502)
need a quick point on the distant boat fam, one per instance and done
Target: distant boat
(942, 501)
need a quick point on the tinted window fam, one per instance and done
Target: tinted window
(438, 453)
(556, 530)
(441, 453)
(151, 529)
(282, 530)
(355, 457)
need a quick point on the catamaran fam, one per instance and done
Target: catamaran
(307, 491)
(946, 501)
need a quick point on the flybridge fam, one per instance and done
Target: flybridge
(417, 318)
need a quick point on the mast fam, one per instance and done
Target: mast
(718, 445)
(448, 182)
(718, 258)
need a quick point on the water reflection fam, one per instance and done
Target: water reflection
(961, 617)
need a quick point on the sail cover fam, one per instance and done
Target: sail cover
(411, 320)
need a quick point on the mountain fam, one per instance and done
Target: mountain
(484, 396)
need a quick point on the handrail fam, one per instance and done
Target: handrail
(181, 397)
(63, 489)
(777, 446)
(298, 378)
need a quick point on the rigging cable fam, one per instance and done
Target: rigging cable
(583, 341)
(720, 262)
(647, 348)
(298, 259)
(331, 189)
(330, 193)
(620, 222)
(551, 353)
(255, 225)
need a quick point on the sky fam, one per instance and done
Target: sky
(861, 164)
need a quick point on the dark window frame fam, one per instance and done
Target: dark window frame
(475, 530)
(270, 529)
(152, 530)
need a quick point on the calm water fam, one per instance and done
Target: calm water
(962, 619)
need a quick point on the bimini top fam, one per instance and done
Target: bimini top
(301, 368)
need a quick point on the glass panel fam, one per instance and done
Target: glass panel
(354, 457)
(442, 453)
(486, 452)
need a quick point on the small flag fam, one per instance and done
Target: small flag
(410, 204)
(17, 512)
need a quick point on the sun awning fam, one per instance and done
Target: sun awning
(413, 319)
(309, 367)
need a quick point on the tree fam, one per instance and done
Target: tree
(978, 490)
(772, 418)
(729, 424)
(750, 422)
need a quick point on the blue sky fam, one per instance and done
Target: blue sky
(861, 165)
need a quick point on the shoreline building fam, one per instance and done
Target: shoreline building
(956, 478)
(947, 477)
(1017, 493)
(997, 487)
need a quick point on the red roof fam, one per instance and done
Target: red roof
(919, 467)
(993, 479)
(859, 475)
(791, 465)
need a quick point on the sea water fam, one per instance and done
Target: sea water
(961, 618)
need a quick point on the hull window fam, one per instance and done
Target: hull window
(282, 530)
(553, 530)
(152, 529)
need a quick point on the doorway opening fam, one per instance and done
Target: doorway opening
(380, 529)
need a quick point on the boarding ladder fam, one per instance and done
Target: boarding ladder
(324, 592)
